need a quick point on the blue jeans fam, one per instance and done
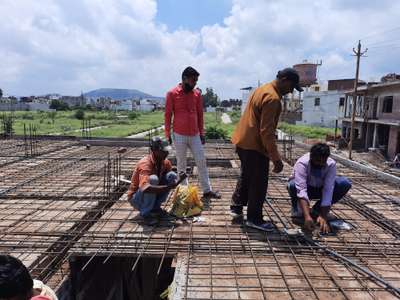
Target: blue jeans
(148, 202)
(342, 186)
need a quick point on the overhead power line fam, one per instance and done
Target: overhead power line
(381, 33)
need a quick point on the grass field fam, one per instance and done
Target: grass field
(111, 124)
(212, 119)
(312, 132)
(65, 123)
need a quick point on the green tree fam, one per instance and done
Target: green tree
(58, 105)
(210, 98)
(80, 114)
(1, 93)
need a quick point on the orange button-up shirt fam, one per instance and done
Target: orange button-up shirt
(257, 126)
(144, 168)
(187, 112)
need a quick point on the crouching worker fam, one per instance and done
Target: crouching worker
(151, 181)
(16, 283)
(314, 177)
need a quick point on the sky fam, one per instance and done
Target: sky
(70, 46)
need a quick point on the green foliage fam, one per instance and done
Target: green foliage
(1, 93)
(312, 132)
(133, 115)
(28, 116)
(52, 115)
(210, 98)
(215, 133)
(80, 114)
(58, 105)
(235, 115)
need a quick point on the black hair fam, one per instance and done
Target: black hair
(320, 150)
(15, 279)
(155, 143)
(189, 71)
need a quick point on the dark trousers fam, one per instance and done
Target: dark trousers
(251, 187)
(342, 186)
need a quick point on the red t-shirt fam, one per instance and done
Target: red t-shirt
(187, 112)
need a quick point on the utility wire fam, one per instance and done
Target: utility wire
(383, 42)
(380, 33)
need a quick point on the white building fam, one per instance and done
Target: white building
(146, 105)
(39, 106)
(125, 104)
(246, 92)
(322, 107)
(210, 109)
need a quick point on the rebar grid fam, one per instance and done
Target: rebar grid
(218, 259)
(210, 237)
(15, 150)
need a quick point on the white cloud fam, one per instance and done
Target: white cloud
(68, 46)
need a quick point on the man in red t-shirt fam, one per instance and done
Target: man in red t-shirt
(185, 105)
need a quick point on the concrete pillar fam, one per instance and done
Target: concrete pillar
(367, 136)
(393, 143)
(375, 139)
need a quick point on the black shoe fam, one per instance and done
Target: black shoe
(264, 226)
(212, 194)
(161, 214)
(150, 220)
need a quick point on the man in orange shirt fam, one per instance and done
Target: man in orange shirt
(255, 142)
(185, 104)
(151, 181)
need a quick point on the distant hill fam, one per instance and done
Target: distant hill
(118, 94)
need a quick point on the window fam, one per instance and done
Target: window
(387, 104)
(317, 89)
(341, 101)
(317, 101)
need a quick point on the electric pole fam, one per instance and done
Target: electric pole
(357, 53)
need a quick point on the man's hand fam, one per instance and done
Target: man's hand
(323, 225)
(308, 223)
(202, 139)
(278, 166)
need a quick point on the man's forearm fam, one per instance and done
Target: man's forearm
(271, 147)
(305, 207)
(324, 210)
(156, 189)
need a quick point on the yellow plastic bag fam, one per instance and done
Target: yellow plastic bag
(186, 202)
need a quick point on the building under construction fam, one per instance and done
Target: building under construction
(64, 213)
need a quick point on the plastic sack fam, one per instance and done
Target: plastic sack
(186, 202)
